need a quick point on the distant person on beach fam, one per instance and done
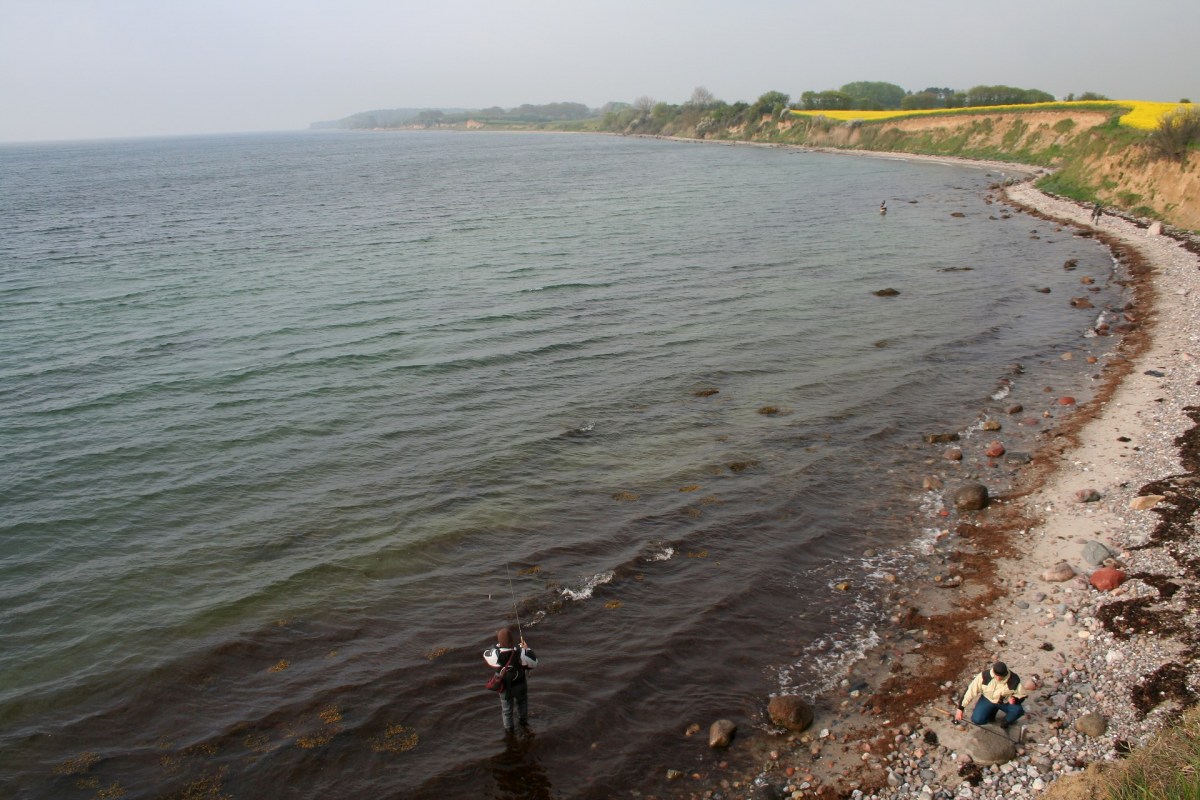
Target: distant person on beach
(997, 689)
(1097, 212)
(515, 695)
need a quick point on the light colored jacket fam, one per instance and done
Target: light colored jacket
(996, 689)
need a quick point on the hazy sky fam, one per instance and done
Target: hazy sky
(101, 68)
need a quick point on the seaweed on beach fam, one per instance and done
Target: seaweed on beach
(1167, 683)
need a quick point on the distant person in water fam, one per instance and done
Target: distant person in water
(1097, 212)
(996, 689)
(515, 695)
(883, 207)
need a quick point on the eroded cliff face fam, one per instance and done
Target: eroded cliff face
(1132, 181)
(1119, 173)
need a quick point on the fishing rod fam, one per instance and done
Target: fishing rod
(516, 613)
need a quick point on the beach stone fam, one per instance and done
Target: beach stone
(1087, 496)
(1093, 725)
(791, 712)
(1081, 302)
(971, 497)
(953, 454)
(889, 292)
(991, 425)
(1106, 578)
(1019, 458)
(1016, 408)
(1145, 502)
(989, 746)
(1062, 571)
(1095, 552)
(720, 733)
(995, 450)
(1066, 401)
(941, 438)
(1155, 229)
(931, 482)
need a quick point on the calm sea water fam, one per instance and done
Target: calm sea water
(284, 415)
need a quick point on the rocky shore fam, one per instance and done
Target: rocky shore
(1086, 574)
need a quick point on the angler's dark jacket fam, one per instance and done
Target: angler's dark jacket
(498, 656)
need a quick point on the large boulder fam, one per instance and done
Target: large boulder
(988, 745)
(1095, 552)
(791, 712)
(720, 733)
(971, 497)
(1093, 725)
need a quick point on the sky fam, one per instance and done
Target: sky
(84, 69)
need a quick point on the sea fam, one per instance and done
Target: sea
(293, 423)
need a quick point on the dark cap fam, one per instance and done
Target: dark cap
(1000, 669)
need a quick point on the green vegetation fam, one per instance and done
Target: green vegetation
(1166, 769)
(1177, 132)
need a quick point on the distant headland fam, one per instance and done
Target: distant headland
(1134, 157)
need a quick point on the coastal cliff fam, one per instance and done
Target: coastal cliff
(1090, 155)
(1093, 158)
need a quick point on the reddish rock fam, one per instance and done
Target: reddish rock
(995, 450)
(954, 454)
(1066, 401)
(1015, 409)
(1106, 578)
(1081, 302)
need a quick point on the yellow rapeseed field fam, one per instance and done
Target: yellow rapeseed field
(1143, 114)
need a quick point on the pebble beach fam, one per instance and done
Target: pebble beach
(1111, 493)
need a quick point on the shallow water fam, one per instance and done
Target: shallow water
(284, 414)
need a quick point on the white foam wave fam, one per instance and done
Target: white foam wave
(589, 586)
(663, 555)
(1001, 393)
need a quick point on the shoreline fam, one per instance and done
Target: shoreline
(900, 741)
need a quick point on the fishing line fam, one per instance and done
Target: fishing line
(516, 613)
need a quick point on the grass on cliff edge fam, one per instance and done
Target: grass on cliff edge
(1166, 769)
(1140, 114)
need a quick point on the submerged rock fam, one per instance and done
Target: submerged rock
(791, 712)
(971, 497)
(889, 292)
(720, 733)
(941, 438)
